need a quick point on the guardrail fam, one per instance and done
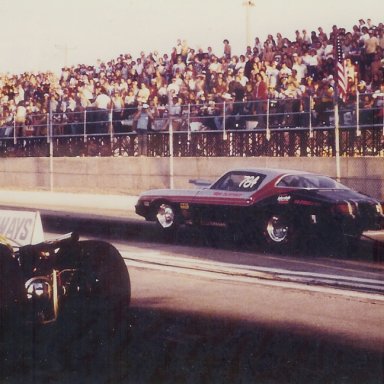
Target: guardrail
(289, 127)
(281, 142)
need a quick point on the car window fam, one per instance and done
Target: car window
(239, 182)
(309, 181)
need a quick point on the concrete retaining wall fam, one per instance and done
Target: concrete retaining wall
(132, 175)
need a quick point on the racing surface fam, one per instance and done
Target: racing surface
(168, 338)
(168, 346)
(358, 267)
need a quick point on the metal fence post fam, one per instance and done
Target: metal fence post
(337, 141)
(224, 110)
(14, 129)
(111, 122)
(50, 140)
(310, 117)
(171, 168)
(268, 130)
(85, 125)
(358, 130)
(382, 113)
(189, 122)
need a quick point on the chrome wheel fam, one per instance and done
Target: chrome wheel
(277, 229)
(165, 216)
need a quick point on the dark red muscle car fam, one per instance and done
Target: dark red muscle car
(279, 205)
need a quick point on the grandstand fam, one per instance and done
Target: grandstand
(278, 97)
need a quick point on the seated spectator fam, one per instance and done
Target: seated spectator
(378, 103)
(179, 66)
(299, 67)
(243, 80)
(240, 63)
(159, 113)
(284, 71)
(291, 93)
(173, 87)
(272, 74)
(324, 103)
(367, 114)
(6, 124)
(143, 93)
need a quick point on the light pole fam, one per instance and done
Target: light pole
(248, 4)
(65, 49)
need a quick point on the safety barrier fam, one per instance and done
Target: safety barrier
(272, 127)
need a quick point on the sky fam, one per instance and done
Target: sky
(49, 34)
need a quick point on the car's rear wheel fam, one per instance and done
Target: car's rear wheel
(279, 232)
(277, 229)
(12, 291)
(93, 319)
(13, 345)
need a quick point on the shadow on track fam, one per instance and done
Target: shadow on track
(218, 238)
(165, 346)
(170, 347)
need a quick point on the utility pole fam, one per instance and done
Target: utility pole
(248, 4)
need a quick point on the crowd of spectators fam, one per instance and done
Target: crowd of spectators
(161, 84)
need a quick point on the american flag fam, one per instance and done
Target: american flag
(342, 80)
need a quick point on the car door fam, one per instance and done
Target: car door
(226, 200)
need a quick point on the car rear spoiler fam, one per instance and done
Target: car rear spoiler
(200, 183)
(51, 245)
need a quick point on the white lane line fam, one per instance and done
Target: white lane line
(261, 273)
(374, 297)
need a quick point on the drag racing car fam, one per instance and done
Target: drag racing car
(66, 288)
(280, 207)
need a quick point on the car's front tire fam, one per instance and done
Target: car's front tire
(167, 217)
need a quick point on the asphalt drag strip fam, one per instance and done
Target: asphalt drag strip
(310, 281)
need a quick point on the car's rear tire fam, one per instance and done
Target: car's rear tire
(13, 345)
(12, 293)
(279, 232)
(93, 320)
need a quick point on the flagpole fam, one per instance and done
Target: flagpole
(337, 139)
(340, 74)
